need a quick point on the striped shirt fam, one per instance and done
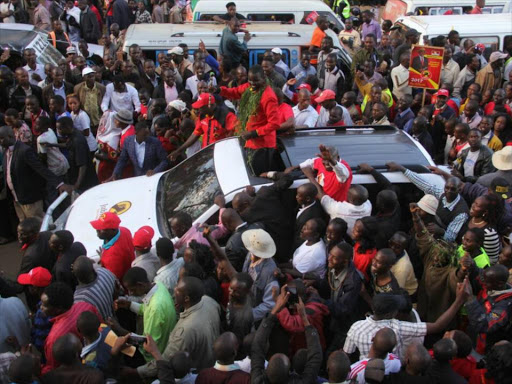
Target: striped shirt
(392, 364)
(452, 229)
(492, 244)
(99, 293)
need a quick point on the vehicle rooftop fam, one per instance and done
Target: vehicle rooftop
(464, 24)
(375, 146)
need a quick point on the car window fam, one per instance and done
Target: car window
(331, 18)
(287, 18)
(492, 43)
(442, 10)
(191, 186)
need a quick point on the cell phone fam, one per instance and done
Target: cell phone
(137, 339)
(293, 298)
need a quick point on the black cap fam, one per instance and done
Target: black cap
(501, 187)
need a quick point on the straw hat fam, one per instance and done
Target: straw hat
(502, 160)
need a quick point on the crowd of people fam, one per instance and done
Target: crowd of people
(348, 284)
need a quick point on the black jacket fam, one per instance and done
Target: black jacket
(483, 164)
(259, 348)
(62, 268)
(315, 211)
(28, 174)
(89, 26)
(122, 14)
(159, 92)
(235, 249)
(17, 97)
(48, 92)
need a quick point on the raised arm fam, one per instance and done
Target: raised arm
(218, 252)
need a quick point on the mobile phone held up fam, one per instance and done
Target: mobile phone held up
(137, 339)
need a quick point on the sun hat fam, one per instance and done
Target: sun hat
(124, 116)
(502, 159)
(428, 203)
(259, 243)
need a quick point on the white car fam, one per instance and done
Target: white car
(221, 167)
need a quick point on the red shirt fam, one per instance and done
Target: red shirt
(98, 16)
(166, 144)
(328, 179)
(490, 107)
(119, 256)
(129, 132)
(62, 324)
(476, 10)
(212, 130)
(338, 124)
(363, 260)
(464, 366)
(266, 119)
(285, 112)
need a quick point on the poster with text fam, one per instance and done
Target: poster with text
(425, 66)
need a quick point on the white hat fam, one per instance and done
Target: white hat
(497, 55)
(259, 243)
(178, 104)
(428, 203)
(277, 50)
(87, 70)
(176, 51)
(502, 159)
(70, 49)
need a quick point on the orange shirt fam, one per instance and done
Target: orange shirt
(317, 37)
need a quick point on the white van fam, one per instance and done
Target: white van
(396, 8)
(491, 30)
(289, 12)
(292, 39)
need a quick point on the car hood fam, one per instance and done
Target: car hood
(133, 199)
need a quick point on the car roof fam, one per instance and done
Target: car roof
(265, 6)
(375, 145)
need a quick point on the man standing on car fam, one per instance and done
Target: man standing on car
(230, 46)
(258, 119)
(89, 26)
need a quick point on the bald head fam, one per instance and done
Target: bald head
(357, 194)
(231, 219)
(496, 277)
(84, 270)
(417, 359)
(278, 369)
(66, 350)
(241, 202)
(338, 366)
(445, 350)
(383, 343)
(225, 348)
(306, 194)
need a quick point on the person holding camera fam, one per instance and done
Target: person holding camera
(350, 38)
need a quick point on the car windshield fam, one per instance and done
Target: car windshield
(191, 187)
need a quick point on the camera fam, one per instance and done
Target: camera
(293, 298)
(137, 339)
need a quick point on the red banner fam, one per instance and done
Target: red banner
(425, 66)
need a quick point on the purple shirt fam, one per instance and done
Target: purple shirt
(195, 234)
(372, 27)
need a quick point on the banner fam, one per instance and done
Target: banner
(425, 66)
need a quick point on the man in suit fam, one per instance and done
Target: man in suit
(145, 152)
(420, 62)
(25, 176)
(168, 89)
(57, 87)
(22, 90)
(89, 26)
(309, 208)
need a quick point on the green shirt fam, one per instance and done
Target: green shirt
(482, 260)
(159, 317)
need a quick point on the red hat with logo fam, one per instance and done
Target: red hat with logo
(304, 86)
(107, 220)
(38, 277)
(203, 100)
(443, 92)
(325, 95)
(142, 238)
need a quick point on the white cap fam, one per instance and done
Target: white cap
(176, 51)
(277, 50)
(178, 104)
(70, 49)
(87, 70)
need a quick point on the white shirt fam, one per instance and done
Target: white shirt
(6, 7)
(323, 116)
(281, 64)
(346, 211)
(82, 122)
(61, 92)
(400, 75)
(486, 138)
(449, 72)
(191, 85)
(39, 70)
(311, 258)
(469, 164)
(392, 364)
(116, 101)
(57, 162)
(140, 151)
(307, 116)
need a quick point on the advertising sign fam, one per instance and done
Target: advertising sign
(425, 66)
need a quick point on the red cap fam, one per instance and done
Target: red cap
(38, 277)
(204, 99)
(443, 92)
(107, 220)
(325, 95)
(142, 238)
(304, 86)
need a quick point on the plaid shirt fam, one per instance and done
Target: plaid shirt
(456, 224)
(143, 18)
(361, 333)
